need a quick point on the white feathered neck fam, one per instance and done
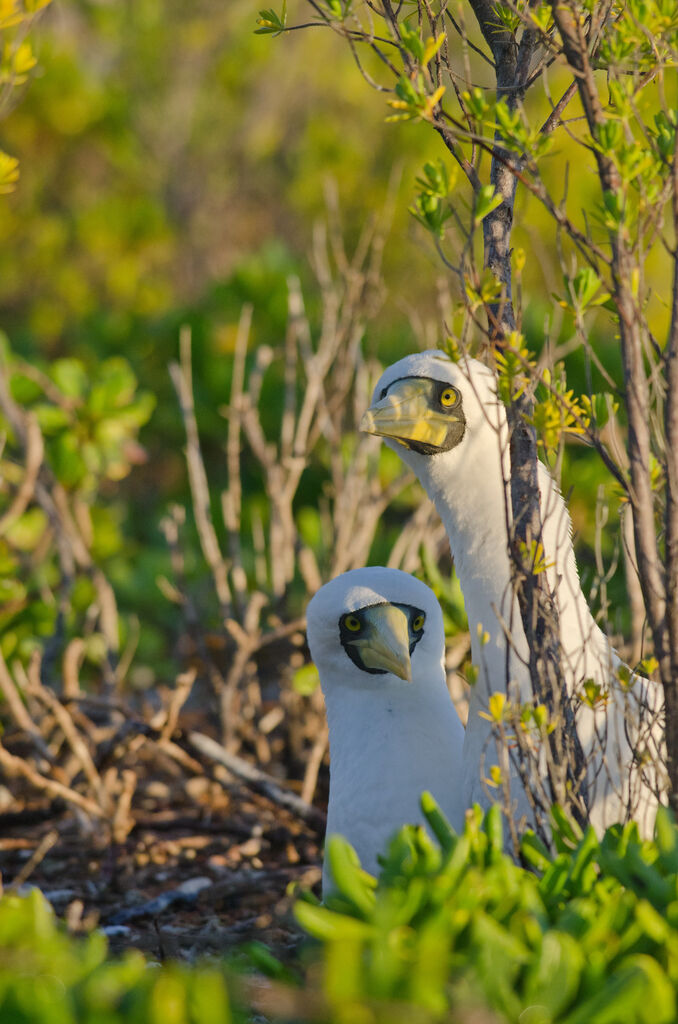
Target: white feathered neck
(469, 486)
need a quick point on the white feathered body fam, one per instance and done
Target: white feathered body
(390, 738)
(416, 738)
(469, 486)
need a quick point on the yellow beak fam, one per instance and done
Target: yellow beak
(405, 414)
(385, 644)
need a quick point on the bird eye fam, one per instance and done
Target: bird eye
(418, 623)
(448, 397)
(384, 392)
(353, 623)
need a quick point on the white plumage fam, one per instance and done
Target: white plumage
(390, 737)
(446, 422)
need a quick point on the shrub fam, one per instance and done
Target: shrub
(46, 977)
(589, 935)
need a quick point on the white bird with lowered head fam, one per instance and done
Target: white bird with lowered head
(447, 423)
(376, 637)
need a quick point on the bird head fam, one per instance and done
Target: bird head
(374, 627)
(425, 406)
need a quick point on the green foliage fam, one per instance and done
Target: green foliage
(447, 590)
(17, 60)
(430, 207)
(585, 935)
(486, 200)
(589, 934)
(272, 23)
(87, 429)
(414, 100)
(48, 978)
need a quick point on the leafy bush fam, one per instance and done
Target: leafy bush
(69, 433)
(586, 937)
(48, 978)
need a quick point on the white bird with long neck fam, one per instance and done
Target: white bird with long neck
(446, 422)
(376, 636)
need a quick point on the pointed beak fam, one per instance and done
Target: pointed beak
(405, 415)
(386, 643)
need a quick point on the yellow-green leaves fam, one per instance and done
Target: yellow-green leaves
(270, 22)
(498, 707)
(430, 207)
(422, 51)
(17, 60)
(9, 173)
(533, 557)
(586, 290)
(486, 200)
(414, 100)
(514, 368)
(482, 292)
(592, 694)
(306, 680)
(557, 413)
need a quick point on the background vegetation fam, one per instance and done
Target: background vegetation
(173, 165)
(181, 176)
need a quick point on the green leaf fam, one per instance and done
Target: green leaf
(70, 377)
(27, 531)
(493, 826)
(350, 879)
(440, 826)
(638, 991)
(330, 926)
(566, 832)
(9, 173)
(666, 835)
(272, 23)
(553, 977)
(585, 286)
(534, 853)
(486, 200)
(51, 418)
(306, 680)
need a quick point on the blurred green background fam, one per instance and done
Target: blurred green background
(173, 165)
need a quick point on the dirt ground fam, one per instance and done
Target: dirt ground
(207, 865)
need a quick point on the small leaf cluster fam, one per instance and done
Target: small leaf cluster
(17, 60)
(48, 978)
(416, 97)
(586, 935)
(586, 290)
(514, 364)
(422, 51)
(89, 423)
(558, 411)
(414, 100)
(270, 22)
(509, 123)
(645, 34)
(430, 207)
(89, 419)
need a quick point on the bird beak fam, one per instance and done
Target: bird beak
(386, 643)
(405, 415)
